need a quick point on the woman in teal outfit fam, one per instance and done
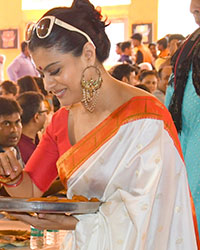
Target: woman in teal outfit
(183, 101)
(190, 138)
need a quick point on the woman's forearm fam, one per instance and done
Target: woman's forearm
(25, 189)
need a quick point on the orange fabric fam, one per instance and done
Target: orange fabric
(164, 53)
(135, 109)
(147, 56)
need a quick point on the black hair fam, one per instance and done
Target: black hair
(146, 72)
(125, 45)
(163, 41)
(27, 83)
(9, 106)
(23, 46)
(122, 70)
(137, 36)
(40, 84)
(119, 44)
(151, 44)
(56, 103)
(83, 16)
(178, 37)
(9, 87)
(30, 104)
(143, 86)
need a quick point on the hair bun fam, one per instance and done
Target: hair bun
(94, 15)
(82, 4)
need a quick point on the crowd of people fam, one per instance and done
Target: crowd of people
(172, 76)
(67, 123)
(25, 86)
(153, 58)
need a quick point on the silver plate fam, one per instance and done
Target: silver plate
(23, 205)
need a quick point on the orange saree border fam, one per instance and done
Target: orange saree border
(137, 108)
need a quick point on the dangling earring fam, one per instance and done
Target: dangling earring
(90, 89)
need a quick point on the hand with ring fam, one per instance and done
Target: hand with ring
(10, 168)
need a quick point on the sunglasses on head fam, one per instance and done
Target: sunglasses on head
(44, 27)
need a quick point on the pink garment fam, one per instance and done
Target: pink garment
(42, 165)
(21, 66)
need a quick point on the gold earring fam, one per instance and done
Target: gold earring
(90, 89)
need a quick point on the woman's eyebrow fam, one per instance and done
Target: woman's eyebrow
(49, 65)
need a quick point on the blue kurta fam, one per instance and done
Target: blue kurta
(190, 137)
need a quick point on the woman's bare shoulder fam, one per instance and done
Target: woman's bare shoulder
(132, 91)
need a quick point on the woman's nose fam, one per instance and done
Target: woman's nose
(49, 83)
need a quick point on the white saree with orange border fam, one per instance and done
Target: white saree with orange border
(132, 162)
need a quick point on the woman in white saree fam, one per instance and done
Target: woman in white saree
(114, 142)
(136, 169)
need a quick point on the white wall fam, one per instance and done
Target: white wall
(174, 17)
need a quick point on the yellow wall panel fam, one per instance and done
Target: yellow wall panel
(140, 11)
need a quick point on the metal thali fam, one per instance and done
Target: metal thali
(9, 204)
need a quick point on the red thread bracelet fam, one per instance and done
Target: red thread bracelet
(17, 183)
